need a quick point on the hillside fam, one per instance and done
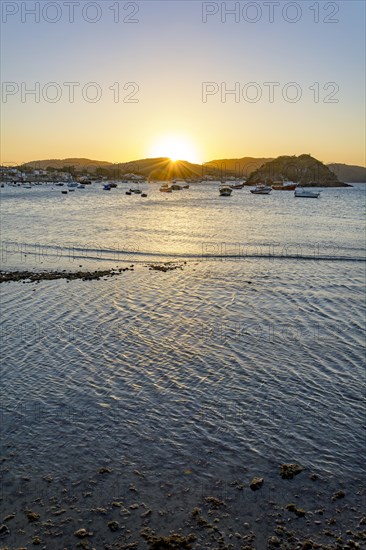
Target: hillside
(303, 169)
(80, 164)
(349, 173)
(242, 167)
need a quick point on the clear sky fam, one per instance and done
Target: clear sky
(162, 81)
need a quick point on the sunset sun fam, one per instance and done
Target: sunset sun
(176, 148)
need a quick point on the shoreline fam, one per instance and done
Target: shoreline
(122, 506)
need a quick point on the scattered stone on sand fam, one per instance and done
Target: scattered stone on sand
(104, 470)
(117, 504)
(9, 517)
(134, 506)
(170, 542)
(82, 533)
(298, 511)
(274, 542)
(48, 478)
(307, 545)
(338, 495)
(146, 514)
(59, 512)
(214, 502)
(4, 530)
(36, 541)
(256, 483)
(32, 516)
(314, 477)
(289, 471)
(113, 525)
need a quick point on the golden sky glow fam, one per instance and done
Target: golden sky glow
(175, 147)
(173, 85)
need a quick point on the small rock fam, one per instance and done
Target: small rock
(289, 471)
(82, 533)
(134, 506)
(113, 525)
(314, 477)
(4, 530)
(256, 483)
(32, 516)
(104, 470)
(307, 545)
(36, 541)
(274, 541)
(338, 494)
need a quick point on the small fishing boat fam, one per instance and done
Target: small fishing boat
(143, 195)
(128, 193)
(237, 185)
(306, 193)
(72, 184)
(81, 186)
(261, 189)
(284, 186)
(59, 184)
(113, 185)
(176, 187)
(64, 192)
(225, 190)
(136, 191)
(106, 187)
(165, 188)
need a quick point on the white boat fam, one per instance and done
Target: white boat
(225, 191)
(261, 189)
(306, 193)
(81, 186)
(165, 188)
(72, 184)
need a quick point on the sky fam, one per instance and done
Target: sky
(121, 80)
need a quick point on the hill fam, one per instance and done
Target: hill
(241, 167)
(349, 173)
(303, 169)
(80, 164)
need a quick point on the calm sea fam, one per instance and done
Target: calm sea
(250, 355)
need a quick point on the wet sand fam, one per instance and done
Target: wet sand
(120, 507)
(127, 505)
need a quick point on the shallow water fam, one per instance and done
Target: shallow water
(221, 367)
(42, 227)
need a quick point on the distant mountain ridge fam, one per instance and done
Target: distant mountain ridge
(163, 169)
(349, 173)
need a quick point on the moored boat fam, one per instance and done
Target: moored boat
(165, 188)
(261, 189)
(285, 186)
(300, 192)
(225, 190)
